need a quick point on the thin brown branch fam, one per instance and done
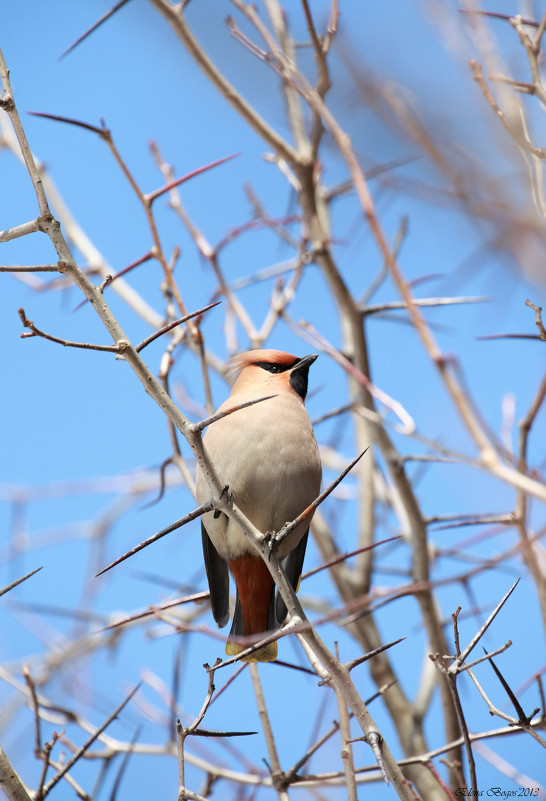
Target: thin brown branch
(323, 82)
(452, 684)
(174, 324)
(508, 336)
(205, 507)
(124, 764)
(381, 396)
(154, 610)
(202, 424)
(343, 557)
(173, 184)
(182, 732)
(538, 317)
(347, 757)
(101, 131)
(523, 719)
(18, 581)
(94, 27)
(227, 90)
(206, 250)
(519, 135)
(146, 201)
(496, 15)
(81, 751)
(47, 761)
(524, 724)
(35, 331)
(477, 637)
(277, 774)
(276, 538)
(481, 659)
(122, 272)
(35, 710)
(443, 785)
(361, 659)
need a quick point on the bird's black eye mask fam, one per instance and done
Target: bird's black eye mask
(273, 367)
(298, 379)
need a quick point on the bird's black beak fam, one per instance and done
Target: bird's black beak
(305, 362)
(299, 374)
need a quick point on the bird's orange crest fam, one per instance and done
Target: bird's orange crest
(238, 363)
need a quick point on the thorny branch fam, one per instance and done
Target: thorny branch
(309, 116)
(340, 676)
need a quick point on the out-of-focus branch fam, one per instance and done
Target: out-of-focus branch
(538, 316)
(175, 17)
(62, 771)
(530, 553)
(77, 237)
(277, 774)
(339, 674)
(346, 745)
(533, 50)
(10, 782)
(18, 581)
(519, 134)
(317, 230)
(384, 489)
(208, 252)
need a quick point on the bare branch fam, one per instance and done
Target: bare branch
(538, 315)
(228, 91)
(202, 424)
(10, 782)
(18, 581)
(31, 268)
(20, 230)
(174, 324)
(81, 751)
(196, 598)
(477, 637)
(205, 507)
(35, 331)
(278, 537)
(173, 184)
(94, 27)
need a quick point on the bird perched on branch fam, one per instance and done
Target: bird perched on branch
(268, 457)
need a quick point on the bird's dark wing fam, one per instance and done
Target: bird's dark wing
(218, 578)
(292, 565)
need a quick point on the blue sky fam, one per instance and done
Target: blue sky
(75, 420)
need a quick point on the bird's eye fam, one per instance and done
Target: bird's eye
(271, 367)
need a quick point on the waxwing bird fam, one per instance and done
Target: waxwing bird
(268, 457)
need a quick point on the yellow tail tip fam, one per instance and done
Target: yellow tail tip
(266, 654)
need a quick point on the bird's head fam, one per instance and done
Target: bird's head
(271, 371)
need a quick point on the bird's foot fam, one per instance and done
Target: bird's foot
(270, 541)
(274, 538)
(228, 500)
